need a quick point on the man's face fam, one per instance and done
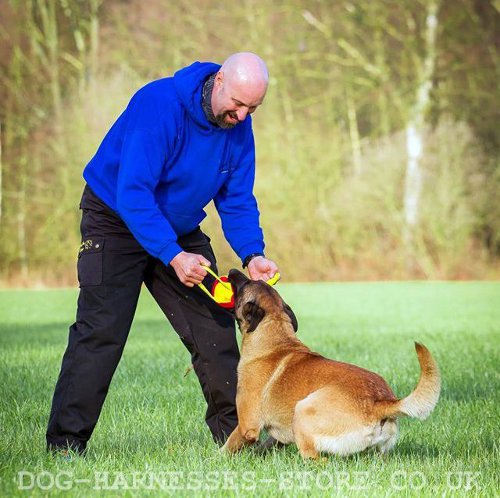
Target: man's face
(233, 101)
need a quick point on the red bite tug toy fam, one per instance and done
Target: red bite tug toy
(223, 295)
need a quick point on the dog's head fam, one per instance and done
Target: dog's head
(254, 300)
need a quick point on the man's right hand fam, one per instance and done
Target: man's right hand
(188, 268)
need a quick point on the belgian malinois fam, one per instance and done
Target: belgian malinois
(299, 396)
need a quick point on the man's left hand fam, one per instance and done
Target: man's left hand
(261, 268)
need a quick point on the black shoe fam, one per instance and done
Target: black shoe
(267, 445)
(66, 451)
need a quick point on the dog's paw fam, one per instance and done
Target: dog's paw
(251, 436)
(227, 450)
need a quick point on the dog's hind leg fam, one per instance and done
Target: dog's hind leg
(388, 435)
(321, 423)
(304, 439)
(305, 443)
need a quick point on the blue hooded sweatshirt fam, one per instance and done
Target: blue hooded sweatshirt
(162, 162)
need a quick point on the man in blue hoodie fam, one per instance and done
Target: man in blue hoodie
(181, 142)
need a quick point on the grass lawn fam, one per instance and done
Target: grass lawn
(152, 440)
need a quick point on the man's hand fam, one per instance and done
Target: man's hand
(188, 268)
(261, 268)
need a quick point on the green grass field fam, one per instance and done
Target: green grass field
(152, 440)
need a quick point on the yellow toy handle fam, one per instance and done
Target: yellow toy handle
(275, 279)
(225, 284)
(205, 290)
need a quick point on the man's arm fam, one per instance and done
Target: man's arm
(239, 214)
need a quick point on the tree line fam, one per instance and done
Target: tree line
(377, 144)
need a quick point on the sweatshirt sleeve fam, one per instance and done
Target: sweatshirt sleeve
(237, 206)
(144, 151)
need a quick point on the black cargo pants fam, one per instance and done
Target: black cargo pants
(112, 266)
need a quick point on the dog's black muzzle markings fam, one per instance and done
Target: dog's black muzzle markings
(251, 311)
(238, 280)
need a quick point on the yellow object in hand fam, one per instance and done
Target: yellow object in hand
(273, 280)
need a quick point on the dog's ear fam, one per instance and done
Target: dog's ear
(253, 315)
(292, 316)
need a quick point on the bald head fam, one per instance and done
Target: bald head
(245, 68)
(239, 88)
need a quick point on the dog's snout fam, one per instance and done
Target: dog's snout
(237, 278)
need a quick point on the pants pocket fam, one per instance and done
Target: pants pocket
(90, 261)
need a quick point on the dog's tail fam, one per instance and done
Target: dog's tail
(423, 399)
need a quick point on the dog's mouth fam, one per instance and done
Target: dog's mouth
(238, 280)
(237, 290)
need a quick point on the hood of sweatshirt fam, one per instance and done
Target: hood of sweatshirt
(188, 83)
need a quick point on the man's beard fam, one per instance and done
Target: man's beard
(220, 119)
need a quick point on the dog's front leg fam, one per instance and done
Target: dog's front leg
(235, 441)
(247, 431)
(239, 438)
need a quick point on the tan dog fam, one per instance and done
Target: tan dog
(300, 396)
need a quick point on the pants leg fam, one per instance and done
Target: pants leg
(111, 269)
(207, 331)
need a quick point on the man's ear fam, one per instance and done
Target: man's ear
(253, 315)
(292, 316)
(219, 78)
